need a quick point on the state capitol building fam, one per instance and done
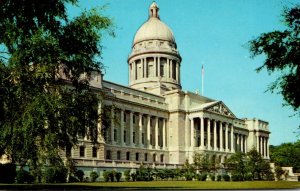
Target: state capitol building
(153, 121)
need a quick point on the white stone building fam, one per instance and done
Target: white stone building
(157, 122)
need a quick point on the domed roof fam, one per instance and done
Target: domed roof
(154, 28)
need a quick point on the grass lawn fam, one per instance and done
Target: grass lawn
(162, 185)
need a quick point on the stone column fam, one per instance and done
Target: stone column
(261, 145)
(142, 64)
(155, 67)
(202, 133)
(208, 134)
(221, 137)
(177, 71)
(158, 65)
(267, 143)
(156, 133)
(112, 125)
(192, 133)
(171, 69)
(164, 133)
(232, 139)
(257, 142)
(226, 138)
(215, 135)
(148, 131)
(245, 144)
(168, 68)
(140, 130)
(131, 128)
(242, 143)
(238, 146)
(122, 127)
(99, 124)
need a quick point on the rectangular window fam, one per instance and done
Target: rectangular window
(137, 156)
(146, 157)
(108, 154)
(133, 137)
(161, 158)
(128, 156)
(81, 151)
(133, 118)
(124, 136)
(95, 152)
(115, 135)
(151, 139)
(119, 155)
(143, 138)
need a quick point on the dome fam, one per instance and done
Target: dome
(154, 28)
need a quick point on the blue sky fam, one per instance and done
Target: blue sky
(213, 33)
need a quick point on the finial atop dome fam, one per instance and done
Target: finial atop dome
(153, 10)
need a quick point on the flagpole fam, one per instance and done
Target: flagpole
(202, 80)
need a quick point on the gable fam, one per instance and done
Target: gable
(220, 108)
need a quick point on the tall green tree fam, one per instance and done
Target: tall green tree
(237, 164)
(41, 112)
(282, 52)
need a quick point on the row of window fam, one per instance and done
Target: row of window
(137, 156)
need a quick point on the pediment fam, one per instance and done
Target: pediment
(220, 108)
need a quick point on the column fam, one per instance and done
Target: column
(156, 133)
(202, 133)
(131, 128)
(148, 130)
(208, 134)
(140, 129)
(226, 137)
(221, 137)
(158, 66)
(192, 133)
(168, 68)
(242, 143)
(177, 71)
(155, 67)
(134, 71)
(99, 124)
(215, 135)
(232, 139)
(164, 133)
(238, 146)
(257, 142)
(171, 69)
(112, 125)
(145, 67)
(261, 145)
(142, 64)
(122, 127)
(246, 143)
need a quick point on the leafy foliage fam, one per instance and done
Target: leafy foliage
(282, 52)
(46, 63)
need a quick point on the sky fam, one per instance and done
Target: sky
(212, 33)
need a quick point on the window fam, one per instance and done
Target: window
(124, 117)
(151, 139)
(124, 136)
(143, 138)
(161, 158)
(94, 152)
(133, 118)
(115, 135)
(127, 155)
(119, 155)
(81, 151)
(137, 156)
(146, 156)
(133, 137)
(68, 151)
(108, 154)
(154, 157)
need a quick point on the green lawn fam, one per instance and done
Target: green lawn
(163, 185)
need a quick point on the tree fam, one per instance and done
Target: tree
(282, 52)
(202, 162)
(257, 166)
(237, 164)
(41, 112)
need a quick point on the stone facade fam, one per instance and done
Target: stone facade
(154, 122)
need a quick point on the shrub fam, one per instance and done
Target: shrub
(237, 177)
(248, 177)
(106, 176)
(219, 178)
(118, 176)
(24, 176)
(133, 176)
(203, 177)
(127, 175)
(10, 173)
(55, 174)
(112, 175)
(73, 179)
(188, 176)
(79, 174)
(226, 177)
(93, 176)
(212, 177)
